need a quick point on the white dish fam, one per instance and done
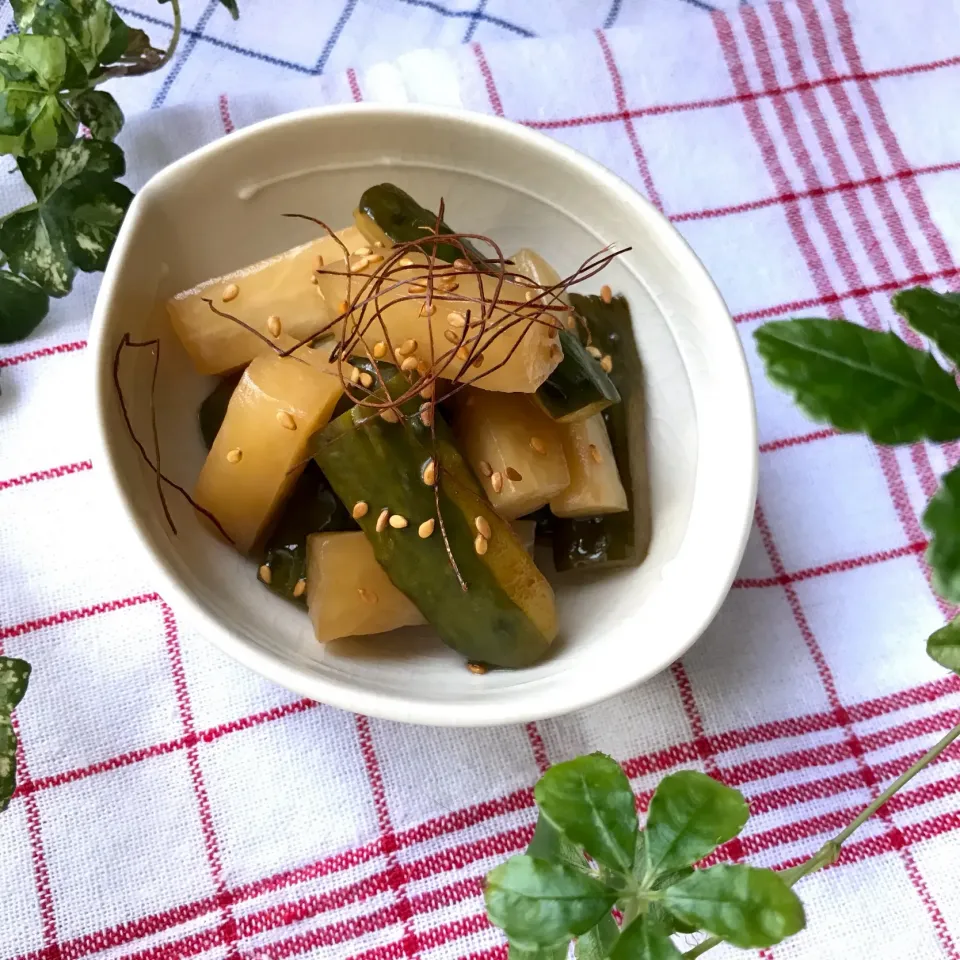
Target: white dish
(219, 208)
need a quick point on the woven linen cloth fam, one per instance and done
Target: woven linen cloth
(172, 804)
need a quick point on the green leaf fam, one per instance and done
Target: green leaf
(589, 800)
(663, 921)
(595, 944)
(92, 29)
(690, 815)
(34, 117)
(76, 218)
(548, 843)
(942, 519)
(640, 941)
(747, 906)
(537, 902)
(944, 645)
(22, 306)
(935, 315)
(231, 5)
(525, 951)
(861, 380)
(14, 676)
(100, 113)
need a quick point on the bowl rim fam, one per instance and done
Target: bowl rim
(532, 701)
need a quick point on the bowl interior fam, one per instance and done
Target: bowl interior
(221, 208)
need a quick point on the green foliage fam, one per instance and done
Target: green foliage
(14, 676)
(943, 645)
(49, 72)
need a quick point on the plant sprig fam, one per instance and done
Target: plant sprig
(59, 127)
(589, 856)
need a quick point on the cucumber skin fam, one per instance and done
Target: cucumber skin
(579, 387)
(366, 458)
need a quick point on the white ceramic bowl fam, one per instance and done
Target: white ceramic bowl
(219, 208)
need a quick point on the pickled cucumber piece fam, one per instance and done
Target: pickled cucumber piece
(281, 287)
(514, 447)
(261, 448)
(506, 616)
(595, 485)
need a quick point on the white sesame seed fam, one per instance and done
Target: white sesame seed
(300, 588)
(461, 264)
(230, 292)
(594, 351)
(485, 468)
(366, 380)
(390, 415)
(430, 473)
(408, 346)
(409, 363)
(537, 445)
(379, 350)
(456, 319)
(361, 251)
(397, 522)
(451, 336)
(423, 367)
(374, 258)
(355, 375)
(265, 573)
(428, 391)
(235, 455)
(428, 309)
(286, 420)
(426, 414)
(360, 509)
(483, 527)
(274, 325)
(606, 294)
(606, 362)
(463, 353)
(415, 288)
(496, 480)
(406, 262)
(426, 528)
(595, 453)
(480, 544)
(383, 520)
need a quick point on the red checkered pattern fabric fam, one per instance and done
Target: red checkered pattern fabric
(173, 805)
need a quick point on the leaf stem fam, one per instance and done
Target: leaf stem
(175, 39)
(830, 851)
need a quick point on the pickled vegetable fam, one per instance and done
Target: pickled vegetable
(578, 388)
(261, 448)
(526, 345)
(595, 485)
(214, 408)
(280, 287)
(615, 540)
(506, 615)
(312, 508)
(348, 592)
(389, 215)
(514, 447)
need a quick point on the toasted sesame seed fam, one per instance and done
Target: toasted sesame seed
(496, 479)
(230, 292)
(426, 414)
(606, 361)
(478, 360)
(428, 309)
(343, 307)
(595, 453)
(286, 420)
(483, 527)
(390, 415)
(594, 351)
(423, 367)
(513, 474)
(360, 509)
(408, 346)
(480, 544)
(374, 258)
(366, 379)
(406, 262)
(379, 350)
(355, 375)
(361, 264)
(367, 596)
(409, 363)
(485, 468)
(606, 294)
(456, 319)
(397, 522)
(416, 288)
(383, 520)
(463, 353)
(265, 574)
(478, 668)
(426, 528)
(461, 264)
(430, 473)
(361, 251)
(235, 455)
(448, 286)
(451, 336)
(537, 445)
(428, 391)
(300, 588)
(274, 325)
